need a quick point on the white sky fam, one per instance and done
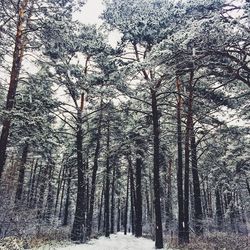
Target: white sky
(90, 12)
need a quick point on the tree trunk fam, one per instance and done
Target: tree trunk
(93, 179)
(112, 212)
(125, 222)
(196, 185)
(187, 162)
(157, 190)
(60, 180)
(32, 173)
(50, 200)
(180, 167)
(169, 212)
(138, 194)
(118, 215)
(14, 77)
(107, 184)
(219, 213)
(77, 233)
(67, 202)
(100, 209)
(20, 182)
(132, 194)
(43, 185)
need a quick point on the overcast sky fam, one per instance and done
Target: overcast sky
(90, 12)
(90, 15)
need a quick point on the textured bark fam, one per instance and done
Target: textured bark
(14, 77)
(187, 162)
(118, 226)
(100, 209)
(157, 190)
(67, 201)
(125, 221)
(138, 194)
(180, 166)
(219, 213)
(20, 182)
(132, 194)
(93, 179)
(77, 233)
(107, 188)
(169, 212)
(198, 216)
(112, 212)
(60, 180)
(42, 188)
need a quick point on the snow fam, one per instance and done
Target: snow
(115, 242)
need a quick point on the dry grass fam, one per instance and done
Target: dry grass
(215, 241)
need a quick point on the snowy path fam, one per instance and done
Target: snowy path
(116, 242)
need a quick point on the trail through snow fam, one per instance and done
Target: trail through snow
(115, 242)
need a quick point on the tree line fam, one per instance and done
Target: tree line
(149, 136)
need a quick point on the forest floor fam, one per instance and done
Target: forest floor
(117, 241)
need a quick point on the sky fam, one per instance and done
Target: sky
(90, 14)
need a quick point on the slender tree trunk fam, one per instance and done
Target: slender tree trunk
(107, 189)
(62, 194)
(60, 180)
(126, 207)
(43, 185)
(187, 162)
(14, 77)
(37, 180)
(138, 194)
(50, 200)
(132, 194)
(180, 167)
(198, 216)
(77, 233)
(32, 173)
(118, 215)
(157, 190)
(20, 182)
(112, 212)
(100, 209)
(93, 179)
(248, 186)
(219, 213)
(169, 212)
(67, 202)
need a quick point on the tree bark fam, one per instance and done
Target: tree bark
(157, 190)
(77, 233)
(180, 166)
(112, 212)
(132, 195)
(107, 184)
(198, 216)
(67, 202)
(20, 182)
(138, 193)
(93, 179)
(14, 77)
(125, 222)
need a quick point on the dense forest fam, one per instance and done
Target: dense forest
(150, 136)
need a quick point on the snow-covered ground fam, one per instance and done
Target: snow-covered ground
(115, 242)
